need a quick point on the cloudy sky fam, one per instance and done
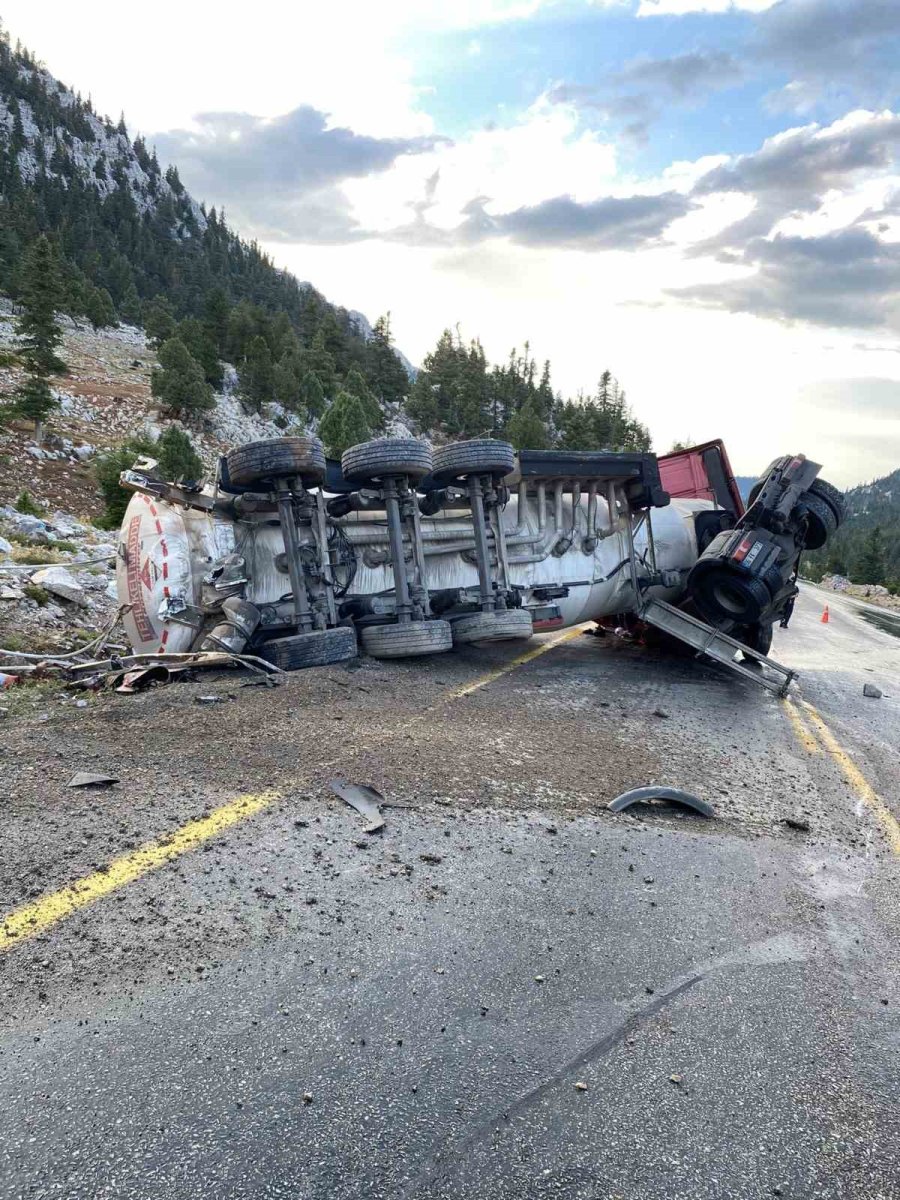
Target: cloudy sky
(702, 195)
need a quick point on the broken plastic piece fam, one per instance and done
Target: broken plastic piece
(86, 779)
(655, 792)
(364, 799)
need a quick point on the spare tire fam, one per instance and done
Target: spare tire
(317, 648)
(407, 640)
(481, 456)
(372, 461)
(277, 458)
(500, 625)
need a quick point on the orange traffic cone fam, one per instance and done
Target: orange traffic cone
(825, 616)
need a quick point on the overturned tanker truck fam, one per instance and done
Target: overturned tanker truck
(406, 551)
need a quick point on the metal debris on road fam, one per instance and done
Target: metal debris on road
(655, 792)
(366, 800)
(87, 779)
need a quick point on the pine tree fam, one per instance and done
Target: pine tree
(287, 383)
(178, 382)
(344, 424)
(870, 566)
(312, 395)
(356, 385)
(159, 321)
(35, 402)
(178, 460)
(257, 376)
(526, 430)
(107, 469)
(98, 308)
(196, 337)
(216, 310)
(318, 360)
(41, 294)
(386, 374)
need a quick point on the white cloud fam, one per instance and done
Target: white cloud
(678, 8)
(543, 155)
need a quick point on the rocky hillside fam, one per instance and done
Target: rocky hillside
(867, 547)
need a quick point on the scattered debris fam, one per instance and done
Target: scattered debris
(870, 690)
(428, 857)
(87, 779)
(209, 699)
(581, 1086)
(656, 792)
(366, 800)
(798, 823)
(676, 1079)
(661, 712)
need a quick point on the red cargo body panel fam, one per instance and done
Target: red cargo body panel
(701, 473)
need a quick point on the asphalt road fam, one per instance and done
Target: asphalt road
(508, 991)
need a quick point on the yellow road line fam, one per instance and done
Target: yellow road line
(856, 779)
(801, 730)
(535, 652)
(56, 906)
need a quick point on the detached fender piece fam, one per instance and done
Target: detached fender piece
(636, 795)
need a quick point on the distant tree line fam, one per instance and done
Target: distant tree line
(123, 241)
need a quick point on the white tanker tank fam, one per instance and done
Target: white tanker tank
(407, 552)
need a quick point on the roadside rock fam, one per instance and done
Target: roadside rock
(870, 690)
(60, 582)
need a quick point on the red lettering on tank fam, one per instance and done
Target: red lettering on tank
(134, 578)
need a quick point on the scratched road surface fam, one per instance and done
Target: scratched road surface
(213, 983)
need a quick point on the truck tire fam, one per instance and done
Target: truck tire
(315, 649)
(407, 640)
(832, 496)
(502, 624)
(277, 458)
(821, 521)
(757, 637)
(372, 461)
(481, 456)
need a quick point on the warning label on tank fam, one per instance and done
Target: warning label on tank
(137, 579)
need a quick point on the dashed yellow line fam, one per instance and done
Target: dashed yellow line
(801, 729)
(534, 652)
(56, 906)
(855, 778)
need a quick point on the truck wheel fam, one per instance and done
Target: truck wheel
(821, 521)
(371, 461)
(481, 456)
(408, 640)
(832, 497)
(277, 458)
(500, 625)
(315, 649)
(757, 637)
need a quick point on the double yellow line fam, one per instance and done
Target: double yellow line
(816, 737)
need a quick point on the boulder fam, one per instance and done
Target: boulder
(26, 524)
(60, 582)
(67, 526)
(5, 548)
